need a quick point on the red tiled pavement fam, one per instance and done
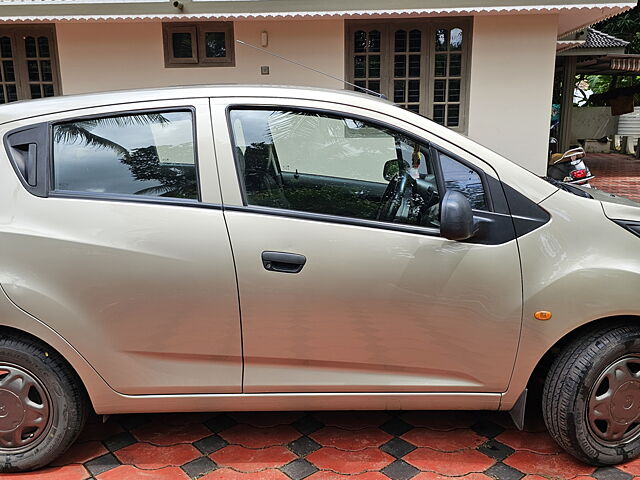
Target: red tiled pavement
(335, 445)
(615, 173)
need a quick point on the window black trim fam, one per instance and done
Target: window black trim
(40, 139)
(121, 113)
(114, 197)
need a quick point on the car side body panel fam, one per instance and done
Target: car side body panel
(581, 267)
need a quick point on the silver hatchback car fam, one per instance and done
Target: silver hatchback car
(271, 248)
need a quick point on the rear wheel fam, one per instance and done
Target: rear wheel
(42, 405)
(591, 399)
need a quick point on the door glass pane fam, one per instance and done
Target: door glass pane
(12, 94)
(441, 40)
(146, 154)
(456, 39)
(414, 65)
(463, 179)
(455, 65)
(5, 47)
(360, 41)
(30, 47)
(438, 114)
(454, 91)
(34, 88)
(400, 66)
(34, 73)
(359, 67)
(43, 47)
(45, 69)
(182, 45)
(439, 90)
(8, 73)
(453, 115)
(334, 165)
(215, 45)
(415, 40)
(400, 41)
(441, 66)
(374, 66)
(374, 41)
(48, 90)
(399, 91)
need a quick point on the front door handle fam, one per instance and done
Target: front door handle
(283, 262)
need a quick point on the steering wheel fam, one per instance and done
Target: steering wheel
(393, 197)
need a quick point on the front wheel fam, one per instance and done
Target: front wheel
(42, 405)
(591, 398)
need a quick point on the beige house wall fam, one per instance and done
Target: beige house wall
(512, 67)
(114, 56)
(511, 75)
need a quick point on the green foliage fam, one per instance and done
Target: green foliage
(625, 26)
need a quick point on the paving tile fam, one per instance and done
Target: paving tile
(440, 420)
(447, 441)
(229, 474)
(102, 464)
(632, 467)
(67, 472)
(119, 440)
(560, 465)
(210, 444)
(396, 427)
(252, 460)
(303, 446)
(342, 461)
(159, 433)
(131, 421)
(350, 439)
(220, 422)
(299, 469)
(255, 437)
(470, 476)
(99, 431)
(198, 467)
(540, 442)
(611, 473)
(129, 472)
(150, 457)
(352, 420)
(487, 428)
(496, 450)
(267, 419)
(325, 475)
(397, 447)
(307, 424)
(81, 453)
(400, 470)
(449, 463)
(504, 472)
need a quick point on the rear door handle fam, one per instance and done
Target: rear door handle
(283, 262)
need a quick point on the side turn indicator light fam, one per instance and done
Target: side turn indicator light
(542, 315)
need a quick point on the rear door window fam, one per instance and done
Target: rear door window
(145, 154)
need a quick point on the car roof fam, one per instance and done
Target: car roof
(32, 108)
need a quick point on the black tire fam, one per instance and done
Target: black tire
(578, 380)
(55, 389)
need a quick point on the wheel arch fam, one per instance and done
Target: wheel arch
(538, 375)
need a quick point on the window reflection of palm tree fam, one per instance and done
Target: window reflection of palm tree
(143, 163)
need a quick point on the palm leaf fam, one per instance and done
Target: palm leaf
(73, 133)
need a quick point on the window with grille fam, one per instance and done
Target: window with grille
(420, 66)
(28, 63)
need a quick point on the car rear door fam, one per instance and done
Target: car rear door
(123, 248)
(339, 295)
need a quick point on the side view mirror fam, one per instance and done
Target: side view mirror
(456, 217)
(390, 169)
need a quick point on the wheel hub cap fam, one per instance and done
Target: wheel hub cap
(24, 408)
(614, 402)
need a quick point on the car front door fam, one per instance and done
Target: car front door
(345, 283)
(123, 251)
